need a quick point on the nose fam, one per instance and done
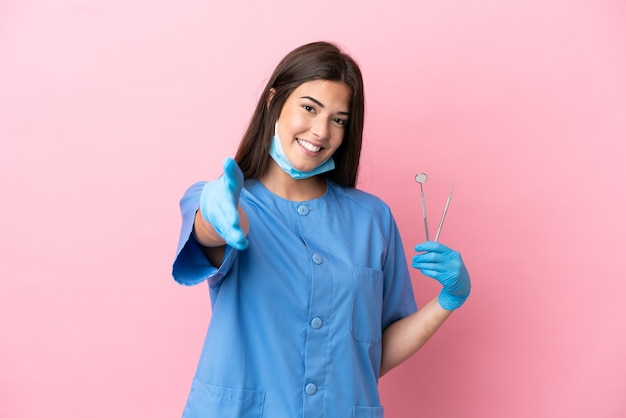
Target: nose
(319, 128)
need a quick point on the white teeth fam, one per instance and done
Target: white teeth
(309, 146)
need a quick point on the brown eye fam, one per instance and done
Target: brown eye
(340, 122)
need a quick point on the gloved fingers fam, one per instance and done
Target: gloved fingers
(241, 243)
(234, 237)
(431, 258)
(434, 252)
(439, 262)
(446, 260)
(429, 272)
(431, 246)
(233, 177)
(434, 266)
(445, 275)
(225, 220)
(446, 266)
(219, 204)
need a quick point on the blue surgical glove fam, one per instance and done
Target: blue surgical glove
(446, 266)
(219, 202)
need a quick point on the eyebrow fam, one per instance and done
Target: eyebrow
(320, 104)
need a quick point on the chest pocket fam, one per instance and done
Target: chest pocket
(207, 400)
(367, 304)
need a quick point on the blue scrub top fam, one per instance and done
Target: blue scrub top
(298, 316)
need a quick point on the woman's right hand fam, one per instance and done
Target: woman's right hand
(219, 205)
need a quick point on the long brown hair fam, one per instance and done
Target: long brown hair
(314, 61)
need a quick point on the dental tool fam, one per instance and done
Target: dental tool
(445, 210)
(421, 179)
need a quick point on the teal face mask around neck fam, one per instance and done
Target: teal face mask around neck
(278, 154)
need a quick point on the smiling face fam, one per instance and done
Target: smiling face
(312, 122)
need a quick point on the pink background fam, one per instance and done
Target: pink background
(110, 109)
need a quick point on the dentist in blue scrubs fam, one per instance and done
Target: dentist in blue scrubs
(310, 290)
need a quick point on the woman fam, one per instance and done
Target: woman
(311, 295)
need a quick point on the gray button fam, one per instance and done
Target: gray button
(303, 210)
(317, 259)
(317, 323)
(310, 389)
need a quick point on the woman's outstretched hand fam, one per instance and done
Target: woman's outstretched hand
(219, 202)
(446, 266)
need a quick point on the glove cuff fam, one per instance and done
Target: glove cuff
(449, 302)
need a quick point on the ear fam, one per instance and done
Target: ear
(270, 96)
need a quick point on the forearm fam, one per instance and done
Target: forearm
(404, 337)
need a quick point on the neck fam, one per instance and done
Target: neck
(283, 185)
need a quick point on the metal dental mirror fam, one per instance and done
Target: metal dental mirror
(421, 179)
